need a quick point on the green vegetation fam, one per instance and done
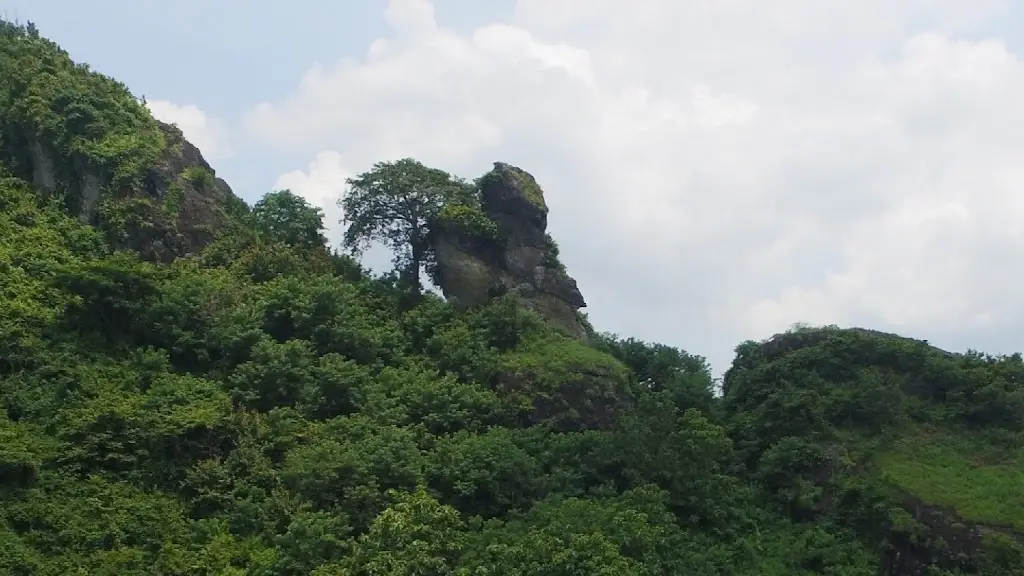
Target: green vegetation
(469, 219)
(199, 177)
(398, 203)
(265, 407)
(84, 121)
(981, 481)
(831, 416)
(85, 140)
(286, 218)
(551, 259)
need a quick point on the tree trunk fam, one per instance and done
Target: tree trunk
(415, 265)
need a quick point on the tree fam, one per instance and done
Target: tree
(416, 535)
(288, 218)
(396, 203)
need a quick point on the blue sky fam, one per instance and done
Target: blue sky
(716, 171)
(223, 56)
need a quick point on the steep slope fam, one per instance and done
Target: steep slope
(901, 441)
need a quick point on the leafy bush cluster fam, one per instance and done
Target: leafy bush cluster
(267, 408)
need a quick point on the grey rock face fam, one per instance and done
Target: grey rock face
(523, 263)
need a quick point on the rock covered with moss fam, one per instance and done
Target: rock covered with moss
(565, 384)
(519, 258)
(181, 206)
(83, 138)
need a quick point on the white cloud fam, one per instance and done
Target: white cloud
(719, 170)
(207, 134)
(321, 185)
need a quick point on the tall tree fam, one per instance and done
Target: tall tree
(395, 203)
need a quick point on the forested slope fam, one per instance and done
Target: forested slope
(185, 401)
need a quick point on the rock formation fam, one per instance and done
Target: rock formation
(179, 206)
(522, 261)
(205, 201)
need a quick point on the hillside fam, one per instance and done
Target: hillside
(903, 442)
(193, 386)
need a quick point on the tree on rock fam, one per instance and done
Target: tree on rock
(395, 203)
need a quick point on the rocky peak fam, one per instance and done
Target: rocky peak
(512, 198)
(521, 259)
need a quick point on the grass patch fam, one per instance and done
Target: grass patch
(981, 482)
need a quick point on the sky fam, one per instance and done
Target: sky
(716, 170)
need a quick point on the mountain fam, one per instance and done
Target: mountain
(193, 386)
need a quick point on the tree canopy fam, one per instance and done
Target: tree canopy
(395, 203)
(289, 219)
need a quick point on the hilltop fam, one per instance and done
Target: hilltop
(191, 385)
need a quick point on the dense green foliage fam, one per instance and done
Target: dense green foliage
(84, 120)
(860, 428)
(265, 407)
(284, 217)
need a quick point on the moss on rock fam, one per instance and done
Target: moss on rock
(89, 122)
(563, 383)
(507, 177)
(531, 190)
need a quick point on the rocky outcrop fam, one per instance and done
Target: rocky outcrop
(565, 384)
(924, 537)
(175, 211)
(200, 203)
(521, 259)
(84, 181)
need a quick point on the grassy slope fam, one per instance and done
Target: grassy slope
(982, 481)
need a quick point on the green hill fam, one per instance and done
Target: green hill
(900, 441)
(190, 386)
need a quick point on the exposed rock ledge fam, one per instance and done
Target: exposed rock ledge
(523, 262)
